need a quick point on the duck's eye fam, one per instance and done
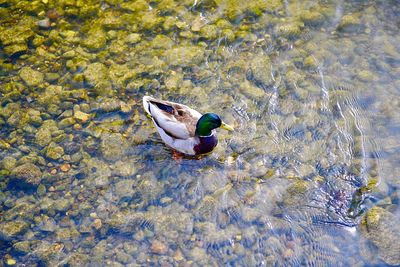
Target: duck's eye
(180, 112)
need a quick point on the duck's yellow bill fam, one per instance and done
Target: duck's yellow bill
(226, 127)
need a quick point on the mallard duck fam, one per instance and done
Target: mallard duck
(182, 128)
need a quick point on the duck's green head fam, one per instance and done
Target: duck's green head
(208, 122)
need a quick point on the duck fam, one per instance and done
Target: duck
(182, 128)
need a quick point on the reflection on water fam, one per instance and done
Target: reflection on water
(309, 177)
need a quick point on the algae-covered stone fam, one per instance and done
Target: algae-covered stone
(96, 74)
(51, 96)
(173, 81)
(15, 49)
(19, 34)
(207, 207)
(134, 6)
(43, 135)
(289, 30)
(112, 20)
(117, 47)
(8, 163)
(81, 116)
(79, 259)
(27, 173)
(162, 41)
(350, 23)
(113, 146)
(158, 247)
(31, 77)
(124, 189)
(366, 76)
(382, 228)
(185, 56)
(251, 90)
(209, 32)
(311, 17)
(133, 38)
(126, 168)
(98, 172)
(237, 9)
(23, 247)
(261, 69)
(62, 204)
(150, 20)
(11, 230)
(34, 117)
(49, 253)
(310, 62)
(96, 39)
(296, 192)
(54, 151)
(67, 122)
(63, 234)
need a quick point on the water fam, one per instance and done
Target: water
(309, 177)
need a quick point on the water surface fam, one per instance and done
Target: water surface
(309, 177)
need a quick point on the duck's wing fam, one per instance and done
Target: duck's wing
(177, 120)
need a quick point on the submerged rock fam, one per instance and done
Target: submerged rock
(11, 230)
(312, 18)
(96, 74)
(98, 172)
(261, 69)
(95, 40)
(54, 151)
(158, 247)
(133, 38)
(8, 163)
(15, 49)
(350, 23)
(15, 38)
(185, 56)
(81, 116)
(124, 189)
(27, 173)
(43, 135)
(382, 228)
(24, 247)
(31, 77)
(113, 146)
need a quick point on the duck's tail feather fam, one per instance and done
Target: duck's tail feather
(146, 104)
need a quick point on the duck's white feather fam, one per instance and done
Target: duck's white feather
(183, 145)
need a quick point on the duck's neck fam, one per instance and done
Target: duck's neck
(203, 130)
(206, 144)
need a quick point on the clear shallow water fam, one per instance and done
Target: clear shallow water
(308, 178)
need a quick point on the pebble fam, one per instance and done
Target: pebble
(28, 173)
(52, 14)
(288, 253)
(97, 224)
(11, 262)
(230, 160)
(77, 127)
(65, 167)
(44, 23)
(178, 256)
(158, 247)
(81, 116)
